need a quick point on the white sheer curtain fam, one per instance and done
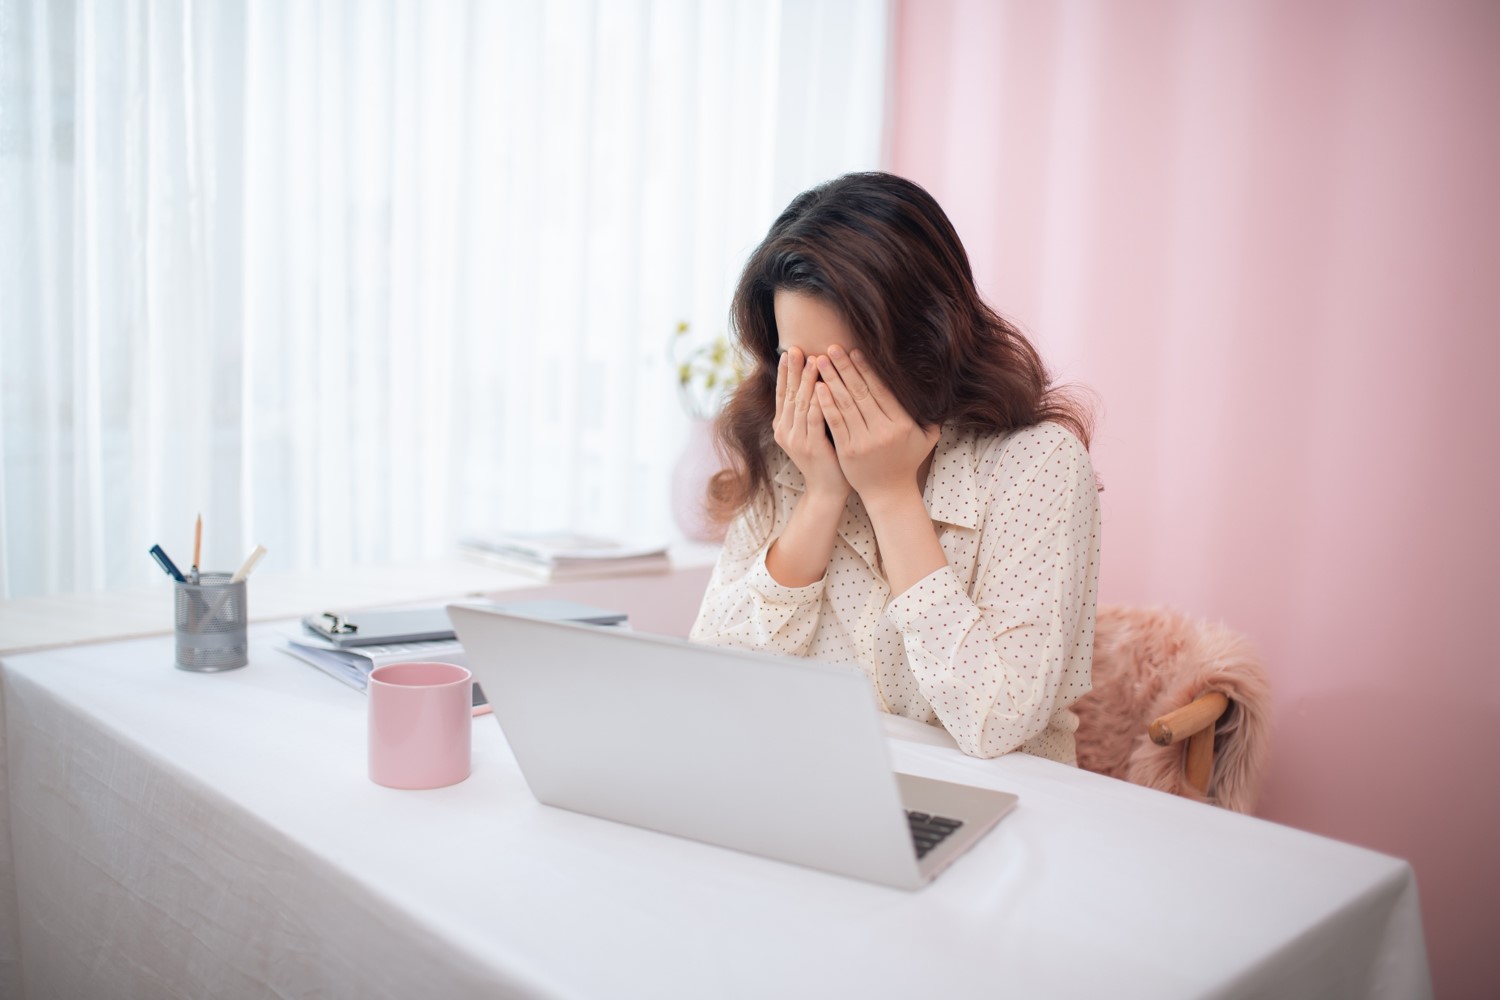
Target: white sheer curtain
(354, 278)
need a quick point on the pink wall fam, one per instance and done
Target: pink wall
(1266, 235)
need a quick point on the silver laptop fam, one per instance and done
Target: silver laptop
(784, 758)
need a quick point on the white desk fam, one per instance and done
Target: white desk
(44, 622)
(193, 835)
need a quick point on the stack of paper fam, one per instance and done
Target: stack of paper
(566, 555)
(353, 665)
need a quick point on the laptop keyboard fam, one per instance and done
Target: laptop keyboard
(929, 831)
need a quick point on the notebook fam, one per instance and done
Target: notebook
(783, 758)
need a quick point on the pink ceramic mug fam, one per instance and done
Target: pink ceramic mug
(420, 720)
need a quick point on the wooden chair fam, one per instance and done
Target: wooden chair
(1197, 723)
(1177, 704)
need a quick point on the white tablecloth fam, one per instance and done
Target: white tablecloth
(175, 834)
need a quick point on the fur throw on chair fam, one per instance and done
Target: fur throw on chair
(1148, 662)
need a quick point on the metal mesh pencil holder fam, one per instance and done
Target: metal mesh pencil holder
(211, 620)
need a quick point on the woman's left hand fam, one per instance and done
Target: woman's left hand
(880, 447)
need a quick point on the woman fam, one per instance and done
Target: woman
(907, 491)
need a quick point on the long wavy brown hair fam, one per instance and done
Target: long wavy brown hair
(879, 250)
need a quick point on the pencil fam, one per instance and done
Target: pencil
(197, 547)
(249, 565)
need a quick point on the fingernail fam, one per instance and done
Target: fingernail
(835, 351)
(823, 363)
(857, 354)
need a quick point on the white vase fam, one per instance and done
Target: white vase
(697, 463)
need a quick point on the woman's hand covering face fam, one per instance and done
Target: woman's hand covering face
(799, 425)
(879, 446)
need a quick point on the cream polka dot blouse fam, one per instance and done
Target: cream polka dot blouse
(994, 646)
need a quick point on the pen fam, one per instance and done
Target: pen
(249, 564)
(197, 547)
(166, 564)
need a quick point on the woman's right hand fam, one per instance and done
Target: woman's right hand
(800, 428)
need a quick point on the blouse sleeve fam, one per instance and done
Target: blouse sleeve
(745, 607)
(998, 661)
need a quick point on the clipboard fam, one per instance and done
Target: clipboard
(386, 628)
(380, 628)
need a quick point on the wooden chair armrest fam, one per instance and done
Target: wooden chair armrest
(1194, 717)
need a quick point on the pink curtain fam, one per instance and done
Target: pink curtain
(1268, 236)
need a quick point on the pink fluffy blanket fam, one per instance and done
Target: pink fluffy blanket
(1148, 662)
